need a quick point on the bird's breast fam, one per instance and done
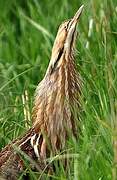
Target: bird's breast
(52, 108)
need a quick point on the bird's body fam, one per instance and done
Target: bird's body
(55, 97)
(11, 162)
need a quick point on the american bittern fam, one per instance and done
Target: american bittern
(52, 114)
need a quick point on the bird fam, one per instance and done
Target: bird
(52, 115)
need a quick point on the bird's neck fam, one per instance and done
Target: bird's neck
(54, 95)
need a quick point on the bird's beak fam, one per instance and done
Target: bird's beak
(76, 17)
(78, 13)
(72, 28)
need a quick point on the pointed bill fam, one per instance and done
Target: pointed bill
(71, 36)
(78, 13)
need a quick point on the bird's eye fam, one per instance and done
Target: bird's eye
(66, 28)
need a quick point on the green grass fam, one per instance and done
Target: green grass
(27, 32)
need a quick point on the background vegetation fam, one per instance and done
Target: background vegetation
(27, 32)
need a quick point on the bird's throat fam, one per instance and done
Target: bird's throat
(54, 98)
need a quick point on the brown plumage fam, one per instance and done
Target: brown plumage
(56, 96)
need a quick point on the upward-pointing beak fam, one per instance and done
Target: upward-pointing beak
(76, 17)
(78, 13)
(72, 30)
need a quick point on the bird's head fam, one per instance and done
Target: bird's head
(64, 42)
